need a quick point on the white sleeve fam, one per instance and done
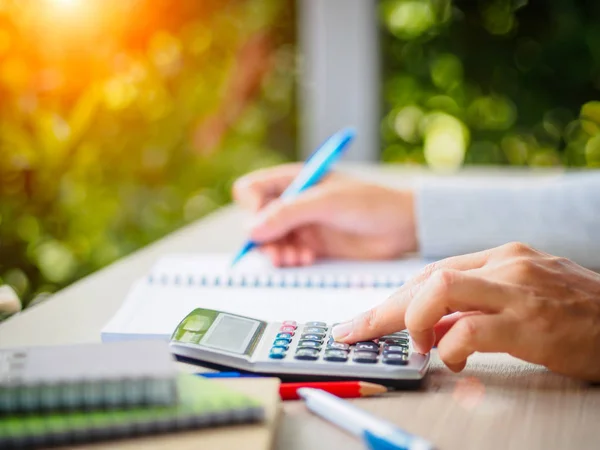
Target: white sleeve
(560, 216)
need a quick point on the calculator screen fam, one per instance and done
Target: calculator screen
(231, 333)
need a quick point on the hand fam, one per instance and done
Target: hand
(511, 299)
(339, 217)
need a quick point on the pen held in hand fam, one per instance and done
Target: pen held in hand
(314, 169)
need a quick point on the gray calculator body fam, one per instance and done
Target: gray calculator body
(295, 351)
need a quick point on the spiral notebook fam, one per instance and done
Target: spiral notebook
(202, 403)
(86, 376)
(329, 291)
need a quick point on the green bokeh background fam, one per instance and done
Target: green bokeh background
(114, 134)
(491, 82)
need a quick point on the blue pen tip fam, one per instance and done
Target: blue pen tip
(245, 249)
(237, 258)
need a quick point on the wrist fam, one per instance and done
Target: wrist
(409, 207)
(402, 204)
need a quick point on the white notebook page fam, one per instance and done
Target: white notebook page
(256, 270)
(156, 305)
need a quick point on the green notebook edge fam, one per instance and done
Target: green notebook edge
(202, 403)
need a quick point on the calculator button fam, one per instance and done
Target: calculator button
(283, 343)
(337, 346)
(394, 349)
(394, 336)
(287, 336)
(336, 355)
(312, 337)
(277, 353)
(307, 354)
(310, 344)
(398, 359)
(286, 329)
(396, 341)
(365, 357)
(290, 323)
(366, 347)
(315, 330)
(316, 324)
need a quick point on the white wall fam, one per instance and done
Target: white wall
(339, 74)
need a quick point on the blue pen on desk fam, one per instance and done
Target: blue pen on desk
(226, 375)
(315, 167)
(376, 433)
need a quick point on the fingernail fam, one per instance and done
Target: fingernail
(341, 330)
(419, 348)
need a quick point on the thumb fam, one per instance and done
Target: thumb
(258, 188)
(281, 217)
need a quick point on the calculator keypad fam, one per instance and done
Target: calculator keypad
(315, 342)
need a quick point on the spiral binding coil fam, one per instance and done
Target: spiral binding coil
(280, 280)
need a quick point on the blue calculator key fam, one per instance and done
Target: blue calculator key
(307, 354)
(367, 347)
(277, 353)
(283, 343)
(309, 344)
(287, 336)
(316, 324)
(315, 330)
(338, 346)
(336, 355)
(365, 357)
(397, 359)
(312, 337)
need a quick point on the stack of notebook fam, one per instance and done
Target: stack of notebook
(83, 393)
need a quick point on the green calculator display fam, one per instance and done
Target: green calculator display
(295, 351)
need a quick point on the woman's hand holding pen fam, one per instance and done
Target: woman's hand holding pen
(341, 217)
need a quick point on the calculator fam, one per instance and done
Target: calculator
(295, 351)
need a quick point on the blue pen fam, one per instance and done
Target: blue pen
(376, 433)
(226, 375)
(315, 167)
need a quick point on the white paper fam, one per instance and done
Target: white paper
(153, 310)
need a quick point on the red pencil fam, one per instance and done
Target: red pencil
(343, 389)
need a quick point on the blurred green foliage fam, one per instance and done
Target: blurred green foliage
(491, 82)
(122, 120)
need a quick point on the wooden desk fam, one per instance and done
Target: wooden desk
(497, 403)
